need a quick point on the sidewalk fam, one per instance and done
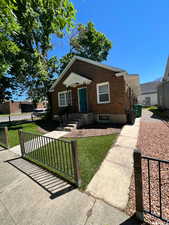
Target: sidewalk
(24, 202)
(54, 134)
(112, 181)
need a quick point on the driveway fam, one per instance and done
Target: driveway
(31, 196)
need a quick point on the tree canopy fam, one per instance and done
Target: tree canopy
(88, 43)
(26, 27)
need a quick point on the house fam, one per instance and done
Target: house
(163, 89)
(10, 107)
(148, 95)
(93, 92)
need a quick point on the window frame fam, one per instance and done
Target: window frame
(98, 94)
(64, 92)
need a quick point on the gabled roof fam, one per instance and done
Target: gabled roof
(114, 69)
(149, 87)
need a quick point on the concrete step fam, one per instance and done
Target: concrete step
(74, 125)
(69, 128)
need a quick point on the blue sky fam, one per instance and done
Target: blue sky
(138, 29)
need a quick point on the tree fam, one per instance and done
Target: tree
(36, 20)
(8, 27)
(88, 43)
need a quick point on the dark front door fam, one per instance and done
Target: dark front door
(82, 100)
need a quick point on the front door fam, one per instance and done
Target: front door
(82, 100)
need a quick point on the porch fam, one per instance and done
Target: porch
(75, 97)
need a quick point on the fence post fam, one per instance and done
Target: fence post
(6, 137)
(21, 142)
(32, 116)
(9, 118)
(76, 162)
(138, 185)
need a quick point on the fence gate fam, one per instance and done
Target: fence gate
(56, 155)
(4, 137)
(151, 187)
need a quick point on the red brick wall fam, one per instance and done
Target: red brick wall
(15, 107)
(98, 75)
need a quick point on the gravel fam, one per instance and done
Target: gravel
(154, 142)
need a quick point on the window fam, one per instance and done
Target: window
(103, 93)
(64, 98)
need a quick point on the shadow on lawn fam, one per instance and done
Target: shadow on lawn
(49, 181)
(160, 114)
(47, 125)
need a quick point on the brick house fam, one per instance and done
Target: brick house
(93, 92)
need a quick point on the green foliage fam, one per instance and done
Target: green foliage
(7, 84)
(28, 37)
(8, 27)
(88, 43)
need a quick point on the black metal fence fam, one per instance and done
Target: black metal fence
(58, 156)
(4, 137)
(151, 186)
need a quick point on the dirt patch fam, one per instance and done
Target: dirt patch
(95, 130)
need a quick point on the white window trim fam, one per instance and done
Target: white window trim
(64, 92)
(101, 84)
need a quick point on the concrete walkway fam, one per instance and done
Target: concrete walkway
(54, 134)
(111, 182)
(24, 202)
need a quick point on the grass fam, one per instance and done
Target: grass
(13, 131)
(91, 150)
(159, 113)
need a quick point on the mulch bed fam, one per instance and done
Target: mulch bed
(154, 142)
(95, 130)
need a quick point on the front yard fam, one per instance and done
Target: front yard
(91, 150)
(13, 131)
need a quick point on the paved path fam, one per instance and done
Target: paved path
(54, 134)
(25, 202)
(15, 117)
(111, 182)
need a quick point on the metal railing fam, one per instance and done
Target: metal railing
(4, 137)
(58, 156)
(151, 187)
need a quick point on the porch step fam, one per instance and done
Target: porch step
(69, 128)
(74, 125)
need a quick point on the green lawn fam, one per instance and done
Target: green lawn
(92, 151)
(159, 113)
(13, 132)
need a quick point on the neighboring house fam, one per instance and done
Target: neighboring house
(94, 92)
(148, 95)
(163, 89)
(10, 107)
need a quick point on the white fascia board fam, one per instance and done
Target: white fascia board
(84, 60)
(74, 79)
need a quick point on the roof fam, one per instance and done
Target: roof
(114, 69)
(149, 87)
